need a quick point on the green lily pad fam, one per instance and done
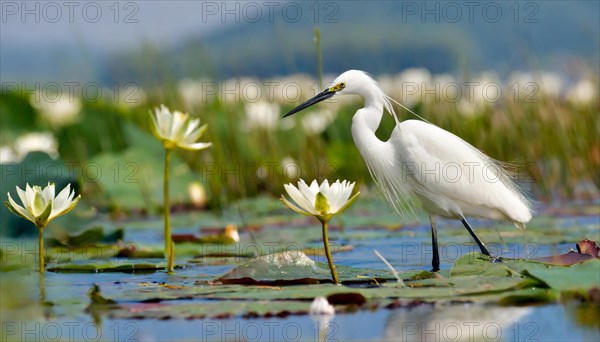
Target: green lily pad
(214, 310)
(478, 264)
(582, 276)
(530, 296)
(577, 277)
(103, 268)
(87, 237)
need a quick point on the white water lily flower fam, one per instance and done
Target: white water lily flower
(177, 129)
(36, 141)
(61, 112)
(41, 206)
(317, 122)
(322, 201)
(583, 92)
(8, 156)
(261, 115)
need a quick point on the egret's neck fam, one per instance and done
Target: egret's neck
(372, 113)
(364, 124)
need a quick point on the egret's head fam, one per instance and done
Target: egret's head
(350, 82)
(353, 82)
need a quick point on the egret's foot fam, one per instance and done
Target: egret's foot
(433, 270)
(493, 258)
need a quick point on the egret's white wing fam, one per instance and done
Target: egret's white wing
(453, 178)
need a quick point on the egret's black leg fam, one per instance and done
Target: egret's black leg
(435, 261)
(479, 243)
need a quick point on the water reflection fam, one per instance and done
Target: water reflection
(462, 322)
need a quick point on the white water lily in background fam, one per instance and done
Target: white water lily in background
(197, 194)
(551, 83)
(60, 112)
(26, 143)
(486, 91)
(174, 129)
(527, 84)
(41, 206)
(412, 85)
(261, 115)
(447, 88)
(36, 141)
(290, 89)
(583, 92)
(177, 129)
(251, 90)
(128, 96)
(195, 92)
(317, 122)
(7, 155)
(322, 200)
(290, 167)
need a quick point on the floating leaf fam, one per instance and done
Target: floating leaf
(582, 276)
(566, 259)
(477, 264)
(530, 296)
(88, 237)
(220, 239)
(111, 267)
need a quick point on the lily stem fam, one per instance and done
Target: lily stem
(41, 248)
(325, 225)
(171, 260)
(167, 209)
(42, 289)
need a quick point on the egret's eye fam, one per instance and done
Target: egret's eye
(342, 85)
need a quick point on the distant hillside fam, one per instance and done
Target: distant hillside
(378, 36)
(387, 37)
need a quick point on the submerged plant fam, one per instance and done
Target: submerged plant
(323, 202)
(41, 206)
(174, 129)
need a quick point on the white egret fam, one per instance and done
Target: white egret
(449, 176)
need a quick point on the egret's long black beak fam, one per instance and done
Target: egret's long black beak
(322, 96)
